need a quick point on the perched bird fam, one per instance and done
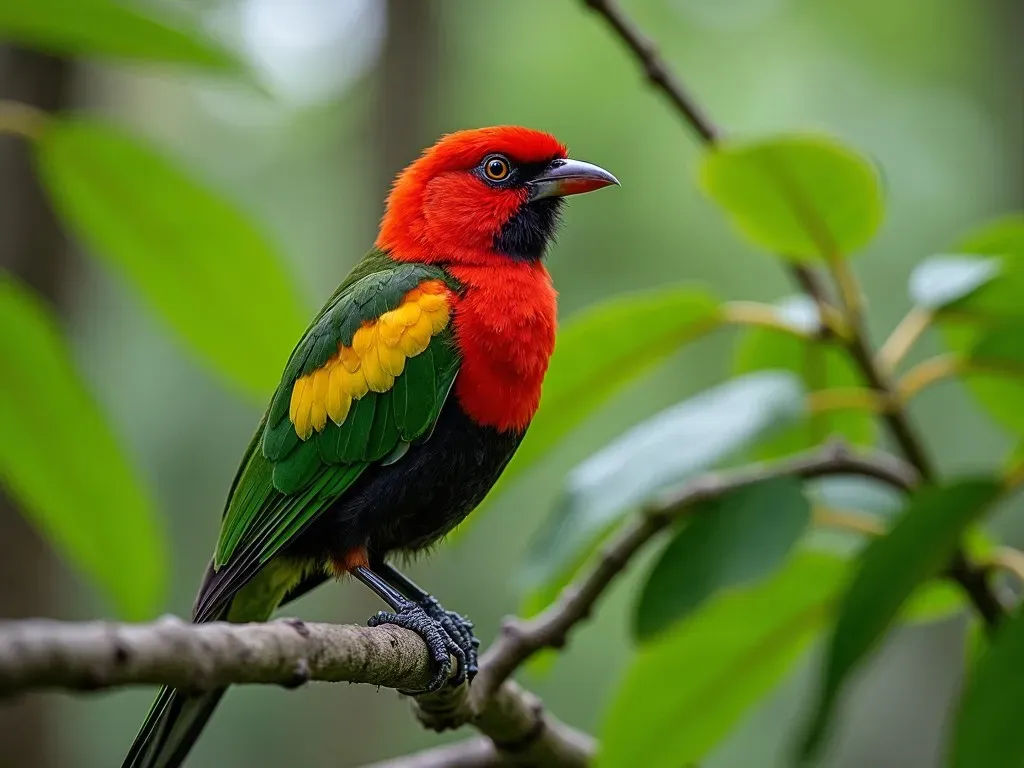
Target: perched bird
(399, 407)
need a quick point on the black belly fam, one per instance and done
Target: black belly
(412, 503)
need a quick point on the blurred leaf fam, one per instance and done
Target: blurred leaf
(856, 494)
(821, 366)
(988, 732)
(662, 451)
(941, 280)
(917, 548)
(732, 540)
(804, 197)
(995, 305)
(685, 691)
(999, 297)
(934, 601)
(111, 28)
(197, 260)
(60, 460)
(601, 350)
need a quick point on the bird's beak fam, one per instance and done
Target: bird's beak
(569, 177)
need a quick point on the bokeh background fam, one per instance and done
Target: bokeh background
(930, 88)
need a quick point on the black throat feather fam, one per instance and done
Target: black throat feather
(528, 233)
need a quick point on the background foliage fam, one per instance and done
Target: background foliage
(208, 173)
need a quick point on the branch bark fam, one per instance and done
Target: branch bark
(40, 655)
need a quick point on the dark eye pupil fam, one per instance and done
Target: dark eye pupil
(496, 168)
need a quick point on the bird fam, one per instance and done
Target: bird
(399, 407)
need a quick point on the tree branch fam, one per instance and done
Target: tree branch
(970, 577)
(38, 655)
(521, 639)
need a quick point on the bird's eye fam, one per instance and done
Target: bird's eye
(496, 168)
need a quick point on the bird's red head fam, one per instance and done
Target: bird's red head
(480, 194)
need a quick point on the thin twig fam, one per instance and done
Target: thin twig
(521, 639)
(903, 337)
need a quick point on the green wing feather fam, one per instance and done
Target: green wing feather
(285, 482)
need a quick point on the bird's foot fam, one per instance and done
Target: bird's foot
(440, 642)
(459, 629)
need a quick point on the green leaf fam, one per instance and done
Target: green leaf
(805, 197)
(994, 309)
(663, 451)
(941, 280)
(732, 540)
(111, 28)
(195, 258)
(688, 689)
(604, 348)
(821, 366)
(987, 732)
(916, 549)
(59, 459)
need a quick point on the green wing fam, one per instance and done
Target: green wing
(286, 481)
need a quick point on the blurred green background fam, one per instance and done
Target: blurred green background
(930, 88)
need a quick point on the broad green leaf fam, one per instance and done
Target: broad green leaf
(821, 366)
(1001, 241)
(916, 549)
(732, 540)
(685, 691)
(604, 348)
(663, 451)
(195, 258)
(994, 308)
(857, 494)
(111, 28)
(987, 732)
(804, 197)
(941, 280)
(60, 460)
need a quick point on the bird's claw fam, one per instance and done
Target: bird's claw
(439, 639)
(460, 629)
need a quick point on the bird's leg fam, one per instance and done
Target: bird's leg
(411, 615)
(458, 627)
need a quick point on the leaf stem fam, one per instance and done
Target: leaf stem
(21, 119)
(853, 522)
(927, 373)
(903, 337)
(849, 399)
(1008, 559)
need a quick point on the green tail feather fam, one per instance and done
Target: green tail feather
(176, 719)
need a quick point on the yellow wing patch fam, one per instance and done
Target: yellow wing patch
(378, 353)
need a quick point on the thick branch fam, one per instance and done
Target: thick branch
(38, 654)
(521, 639)
(50, 654)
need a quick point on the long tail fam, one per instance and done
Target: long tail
(176, 719)
(171, 728)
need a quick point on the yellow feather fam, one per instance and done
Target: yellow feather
(296, 401)
(350, 359)
(391, 360)
(390, 328)
(355, 384)
(432, 302)
(416, 338)
(439, 319)
(364, 339)
(412, 296)
(377, 379)
(338, 399)
(318, 408)
(407, 314)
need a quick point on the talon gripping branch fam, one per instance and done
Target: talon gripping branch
(399, 407)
